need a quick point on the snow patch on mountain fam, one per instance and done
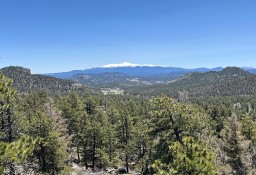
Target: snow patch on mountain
(127, 64)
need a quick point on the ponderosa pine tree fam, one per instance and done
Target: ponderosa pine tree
(171, 122)
(12, 149)
(73, 112)
(109, 149)
(189, 157)
(7, 117)
(49, 153)
(124, 134)
(232, 140)
(15, 152)
(142, 142)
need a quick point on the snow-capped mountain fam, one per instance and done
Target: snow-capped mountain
(135, 70)
(127, 64)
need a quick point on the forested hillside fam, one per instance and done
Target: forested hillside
(228, 82)
(120, 134)
(24, 81)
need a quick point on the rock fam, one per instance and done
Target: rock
(110, 170)
(76, 161)
(113, 171)
(121, 171)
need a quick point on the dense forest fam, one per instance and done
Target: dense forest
(24, 81)
(230, 81)
(47, 131)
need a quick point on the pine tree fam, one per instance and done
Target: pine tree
(189, 158)
(73, 113)
(124, 127)
(171, 121)
(142, 142)
(109, 148)
(16, 152)
(12, 149)
(49, 153)
(248, 127)
(232, 140)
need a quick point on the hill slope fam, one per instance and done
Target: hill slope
(230, 81)
(24, 81)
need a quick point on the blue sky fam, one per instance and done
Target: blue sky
(61, 35)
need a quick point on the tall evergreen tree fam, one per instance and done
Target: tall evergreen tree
(73, 113)
(189, 158)
(12, 149)
(49, 153)
(232, 140)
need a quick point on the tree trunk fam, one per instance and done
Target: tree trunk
(12, 169)
(2, 117)
(78, 153)
(127, 163)
(85, 157)
(94, 150)
(177, 133)
(10, 132)
(42, 152)
(110, 151)
(9, 121)
(126, 143)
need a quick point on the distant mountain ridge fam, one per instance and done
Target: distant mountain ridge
(26, 82)
(138, 70)
(132, 70)
(126, 75)
(227, 82)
